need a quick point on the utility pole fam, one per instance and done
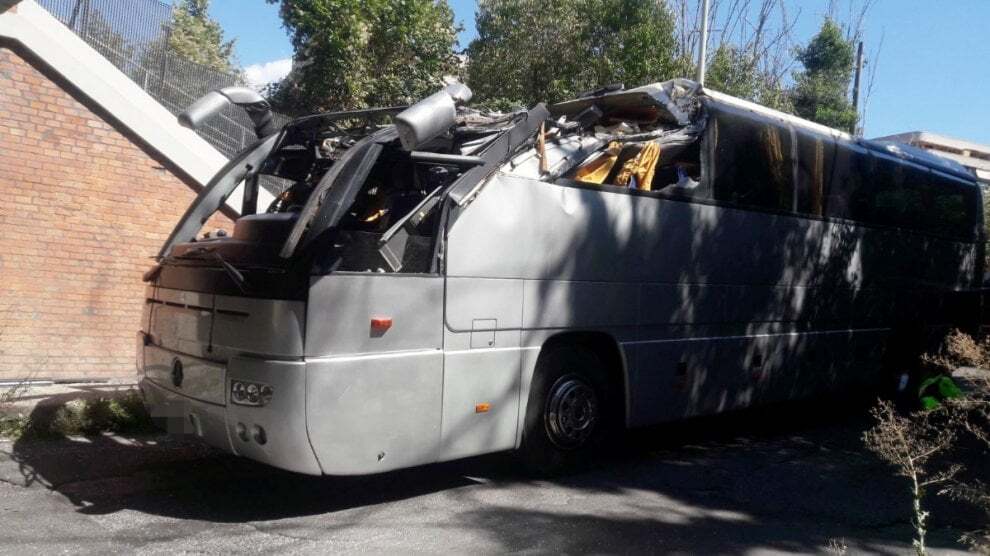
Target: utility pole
(856, 81)
(702, 50)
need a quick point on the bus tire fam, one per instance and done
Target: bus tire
(570, 411)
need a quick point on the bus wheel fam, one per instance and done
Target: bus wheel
(568, 415)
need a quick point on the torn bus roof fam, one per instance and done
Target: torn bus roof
(677, 100)
(674, 112)
(339, 166)
(370, 193)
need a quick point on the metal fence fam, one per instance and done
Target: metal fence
(133, 35)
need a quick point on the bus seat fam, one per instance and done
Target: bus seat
(596, 170)
(638, 171)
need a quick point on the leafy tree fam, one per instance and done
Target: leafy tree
(198, 38)
(355, 54)
(524, 52)
(530, 51)
(821, 90)
(733, 72)
(628, 41)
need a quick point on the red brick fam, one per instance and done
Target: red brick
(85, 207)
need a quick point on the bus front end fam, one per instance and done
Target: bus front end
(221, 347)
(223, 351)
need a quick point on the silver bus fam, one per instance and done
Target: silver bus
(434, 282)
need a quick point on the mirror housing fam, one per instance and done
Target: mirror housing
(204, 109)
(430, 117)
(212, 103)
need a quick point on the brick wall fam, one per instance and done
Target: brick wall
(82, 208)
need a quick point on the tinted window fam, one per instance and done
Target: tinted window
(816, 163)
(954, 206)
(897, 193)
(752, 162)
(847, 188)
(880, 190)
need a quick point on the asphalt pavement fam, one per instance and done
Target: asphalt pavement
(791, 479)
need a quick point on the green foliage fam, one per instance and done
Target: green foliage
(934, 390)
(121, 414)
(524, 51)
(943, 445)
(821, 90)
(198, 38)
(774, 96)
(359, 53)
(125, 414)
(733, 72)
(498, 104)
(530, 51)
(828, 51)
(628, 41)
(12, 426)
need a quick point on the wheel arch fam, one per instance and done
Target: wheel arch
(606, 347)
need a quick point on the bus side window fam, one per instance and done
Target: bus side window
(954, 207)
(816, 163)
(847, 195)
(752, 163)
(883, 191)
(678, 173)
(898, 193)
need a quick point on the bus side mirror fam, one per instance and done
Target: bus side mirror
(204, 109)
(212, 103)
(430, 117)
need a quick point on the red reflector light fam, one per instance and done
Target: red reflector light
(381, 323)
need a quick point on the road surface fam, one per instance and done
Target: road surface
(781, 480)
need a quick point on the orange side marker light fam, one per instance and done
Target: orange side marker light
(381, 324)
(482, 407)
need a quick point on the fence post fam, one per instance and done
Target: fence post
(161, 82)
(165, 49)
(74, 18)
(85, 19)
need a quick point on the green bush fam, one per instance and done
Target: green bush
(124, 414)
(12, 426)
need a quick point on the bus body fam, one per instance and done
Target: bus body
(503, 283)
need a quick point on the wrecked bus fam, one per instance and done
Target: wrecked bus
(457, 282)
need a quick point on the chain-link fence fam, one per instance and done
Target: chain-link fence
(133, 35)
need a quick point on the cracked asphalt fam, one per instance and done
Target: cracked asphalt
(780, 480)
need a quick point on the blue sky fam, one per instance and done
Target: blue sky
(933, 71)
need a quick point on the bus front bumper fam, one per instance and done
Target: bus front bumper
(274, 434)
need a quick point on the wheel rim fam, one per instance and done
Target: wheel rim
(571, 412)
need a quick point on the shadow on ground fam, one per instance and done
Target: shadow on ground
(787, 478)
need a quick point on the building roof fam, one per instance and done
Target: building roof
(974, 156)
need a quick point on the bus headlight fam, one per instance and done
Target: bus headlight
(243, 392)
